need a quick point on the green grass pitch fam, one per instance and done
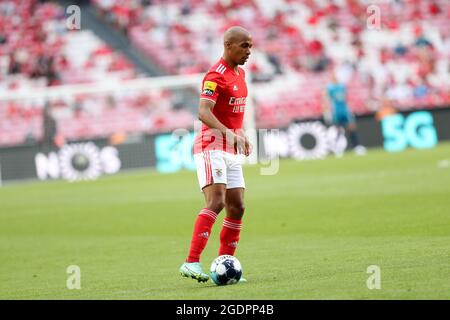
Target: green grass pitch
(310, 232)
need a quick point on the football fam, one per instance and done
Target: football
(226, 270)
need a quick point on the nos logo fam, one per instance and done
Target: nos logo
(79, 161)
(174, 151)
(416, 130)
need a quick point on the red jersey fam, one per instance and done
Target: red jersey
(228, 90)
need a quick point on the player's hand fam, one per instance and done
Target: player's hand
(248, 147)
(243, 145)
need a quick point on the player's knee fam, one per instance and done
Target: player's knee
(236, 210)
(216, 204)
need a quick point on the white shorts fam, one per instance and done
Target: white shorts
(216, 166)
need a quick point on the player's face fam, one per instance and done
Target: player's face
(240, 50)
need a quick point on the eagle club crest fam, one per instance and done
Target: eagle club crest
(218, 172)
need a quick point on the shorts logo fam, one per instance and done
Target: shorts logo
(209, 87)
(219, 172)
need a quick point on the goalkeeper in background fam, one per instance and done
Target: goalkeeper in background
(336, 112)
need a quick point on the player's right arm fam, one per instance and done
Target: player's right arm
(206, 116)
(213, 84)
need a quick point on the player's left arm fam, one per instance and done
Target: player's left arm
(247, 147)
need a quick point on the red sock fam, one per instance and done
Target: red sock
(200, 236)
(229, 236)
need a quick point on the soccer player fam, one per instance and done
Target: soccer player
(218, 151)
(339, 114)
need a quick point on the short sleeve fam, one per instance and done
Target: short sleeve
(212, 85)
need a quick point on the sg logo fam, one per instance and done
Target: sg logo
(174, 151)
(416, 130)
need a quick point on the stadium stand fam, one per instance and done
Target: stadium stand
(296, 44)
(37, 50)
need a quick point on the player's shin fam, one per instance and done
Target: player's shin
(229, 236)
(202, 230)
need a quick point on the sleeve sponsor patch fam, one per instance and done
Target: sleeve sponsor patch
(209, 87)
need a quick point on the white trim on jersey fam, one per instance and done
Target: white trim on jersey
(221, 69)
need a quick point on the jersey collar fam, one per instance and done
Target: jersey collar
(222, 61)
